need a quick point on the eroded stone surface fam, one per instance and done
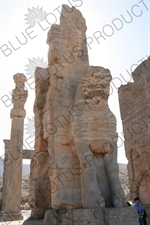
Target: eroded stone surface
(135, 114)
(124, 216)
(55, 92)
(92, 134)
(40, 196)
(74, 126)
(13, 152)
(93, 216)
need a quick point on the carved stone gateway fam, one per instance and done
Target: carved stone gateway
(74, 176)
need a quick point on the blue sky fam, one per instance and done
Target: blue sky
(124, 25)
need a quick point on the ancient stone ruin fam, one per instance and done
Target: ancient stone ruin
(74, 168)
(74, 177)
(11, 195)
(135, 113)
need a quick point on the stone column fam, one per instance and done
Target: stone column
(7, 161)
(12, 194)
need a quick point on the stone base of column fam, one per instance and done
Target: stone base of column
(10, 216)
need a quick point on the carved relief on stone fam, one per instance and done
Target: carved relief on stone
(73, 123)
(96, 86)
(91, 138)
(134, 107)
(139, 170)
(19, 96)
(40, 196)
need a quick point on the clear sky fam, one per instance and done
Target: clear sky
(118, 39)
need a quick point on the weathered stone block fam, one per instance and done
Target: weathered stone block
(124, 216)
(93, 216)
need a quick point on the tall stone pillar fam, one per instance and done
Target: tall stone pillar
(7, 161)
(12, 194)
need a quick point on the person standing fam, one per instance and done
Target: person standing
(145, 215)
(140, 210)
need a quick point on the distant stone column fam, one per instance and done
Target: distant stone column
(12, 191)
(7, 161)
